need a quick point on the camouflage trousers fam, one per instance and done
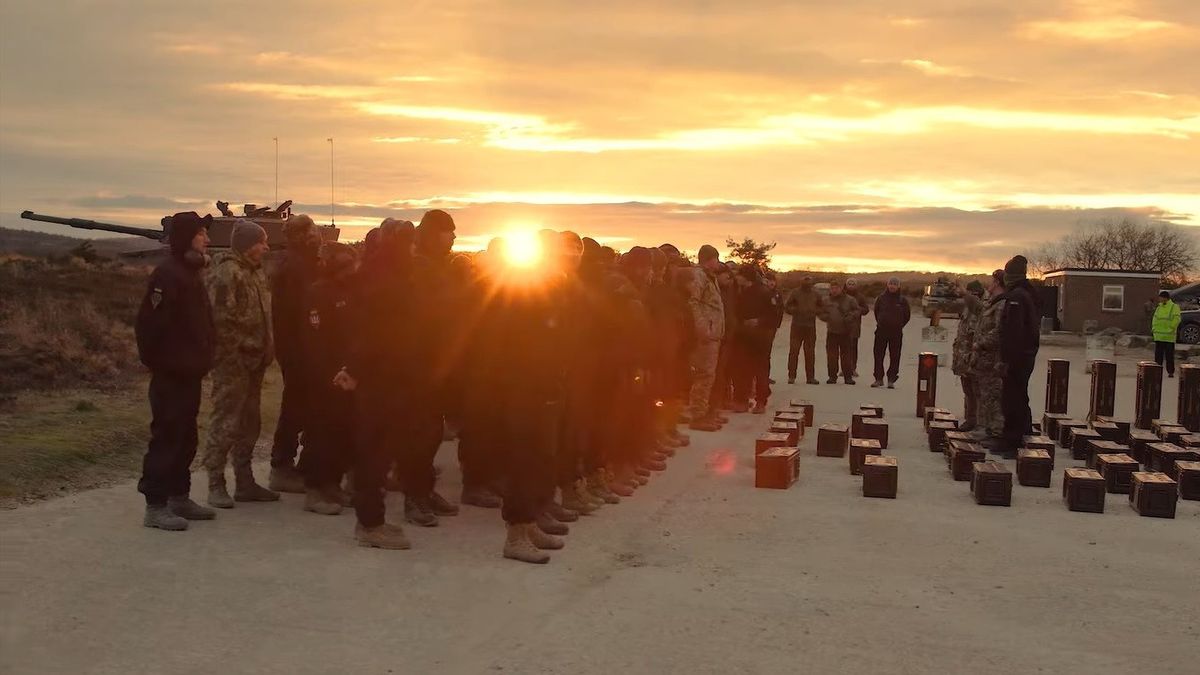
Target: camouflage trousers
(704, 371)
(989, 414)
(235, 422)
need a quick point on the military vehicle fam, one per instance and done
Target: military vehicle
(941, 297)
(220, 232)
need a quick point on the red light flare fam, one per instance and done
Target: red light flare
(721, 462)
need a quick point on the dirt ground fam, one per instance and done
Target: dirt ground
(699, 572)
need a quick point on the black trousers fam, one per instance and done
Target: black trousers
(480, 441)
(752, 375)
(328, 439)
(888, 342)
(837, 353)
(1164, 352)
(166, 468)
(1014, 402)
(532, 433)
(380, 419)
(291, 416)
(722, 377)
(417, 450)
(802, 337)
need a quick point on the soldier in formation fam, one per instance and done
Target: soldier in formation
(804, 304)
(986, 368)
(964, 352)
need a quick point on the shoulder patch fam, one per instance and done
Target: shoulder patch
(314, 318)
(156, 297)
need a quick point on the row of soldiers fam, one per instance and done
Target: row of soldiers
(565, 380)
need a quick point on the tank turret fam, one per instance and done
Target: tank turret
(273, 220)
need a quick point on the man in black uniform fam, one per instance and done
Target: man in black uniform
(1019, 341)
(325, 341)
(289, 289)
(757, 311)
(176, 341)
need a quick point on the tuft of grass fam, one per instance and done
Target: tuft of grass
(84, 405)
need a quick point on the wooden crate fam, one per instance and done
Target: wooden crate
(1064, 431)
(1173, 434)
(937, 434)
(805, 407)
(1096, 448)
(777, 468)
(1050, 423)
(832, 440)
(1107, 430)
(963, 456)
(1139, 442)
(1189, 441)
(880, 476)
(1080, 437)
(1157, 425)
(1083, 490)
(1117, 470)
(792, 429)
(1187, 474)
(769, 440)
(930, 412)
(1154, 494)
(878, 409)
(1034, 466)
(1123, 428)
(860, 448)
(991, 484)
(878, 429)
(1163, 457)
(856, 422)
(950, 437)
(789, 416)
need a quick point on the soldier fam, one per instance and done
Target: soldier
(707, 312)
(851, 289)
(757, 309)
(669, 314)
(804, 304)
(891, 316)
(839, 313)
(241, 302)
(325, 342)
(722, 392)
(1020, 337)
(289, 320)
(175, 339)
(964, 351)
(987, 367)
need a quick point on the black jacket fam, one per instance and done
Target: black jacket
(327, 333)
(174, 328)
(1020, 323)
(289, 290)
(891, 313)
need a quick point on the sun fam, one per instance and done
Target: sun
(522, 248)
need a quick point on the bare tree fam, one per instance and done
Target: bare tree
(1124, 244)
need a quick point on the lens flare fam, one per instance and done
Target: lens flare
(522, 249)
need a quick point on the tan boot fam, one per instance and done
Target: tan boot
(573, 500)
(318, 502)
(246, 489)
(597, 485)
(218, 495)
(518, 546)
(542, 540)
(387, 536)
(286, 479)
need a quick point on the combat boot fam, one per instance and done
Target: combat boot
(246, 489)
(740, 407)
(387, 536)
(561, 513)
(654, 464)
(681, 438)
(596, 485)
(419, 512)
(518, 546)
(286, 479)
(160, 516)
(573, 500)
(849, 380)
(334, 493)
(619, 488)
(877, 383)
(718, 417)
(480, 496)
(813, 380)
(441, 506)
(318, 502)
(759, 409)
(791, 379)
(704, 425)
(551, 525)
(543, 540)
(184, 507)
(218, 495)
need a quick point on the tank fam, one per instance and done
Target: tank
(220, 232)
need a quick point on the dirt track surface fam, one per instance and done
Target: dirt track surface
(699, 572)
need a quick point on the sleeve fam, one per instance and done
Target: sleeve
(905, 311)
(789, 305)
(1176, 316)
(878, 304)
(823, 310)
(157, 311)
(229, 303)
(285, 304)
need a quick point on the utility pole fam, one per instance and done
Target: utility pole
(276, 139)
(331, 202)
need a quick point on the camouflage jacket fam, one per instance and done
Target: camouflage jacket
(964, 339)
(241, 307)
(987, 360)
(707, 308)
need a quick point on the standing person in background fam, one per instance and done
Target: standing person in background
(987, 366)
(722, 393)
(891, 316)
(839, 314)
(804, 304)
(755, 331)
(707, 312)
(853, 291)
(964, 351)
(771, 281)
(1020, 337)
(175, 340)
(289, 321)
(241, 302)
(1164, 325)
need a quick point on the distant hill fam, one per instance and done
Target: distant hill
(40, 244)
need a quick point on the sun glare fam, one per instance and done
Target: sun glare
(522, 248)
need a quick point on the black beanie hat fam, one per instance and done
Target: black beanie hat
(707, 252)
(1015, 270)
(638, 256)
(437, 219)
(183, 229)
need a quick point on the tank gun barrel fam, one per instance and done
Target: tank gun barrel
(83, 224)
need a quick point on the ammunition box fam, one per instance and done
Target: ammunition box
(1163, 457)
(991, 484)
(1058, 377)
(832, 440)
(1104, 389)
(856, 422)
(1095, 448)
(937, 433)
(1117, 471)
(1064, 431)
(1189, 396)
(805, 407)
(1147, 394)
(777, 468)
(930, 412)
(859, 449)
(769, 440)
(1083, 490)
(792, 430)
(1139, 440)
(1187, 474)
(878, 409)
(1154, 495)
(1034, 466)
(963, 457)
(877, 429)
(1080, 437)
(1050, 423)
(880, 476)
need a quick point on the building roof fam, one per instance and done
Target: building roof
(1083, 272)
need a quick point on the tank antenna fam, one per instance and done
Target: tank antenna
(276, 139)
(331, 221)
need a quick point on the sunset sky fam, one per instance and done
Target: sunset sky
(860, 135)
